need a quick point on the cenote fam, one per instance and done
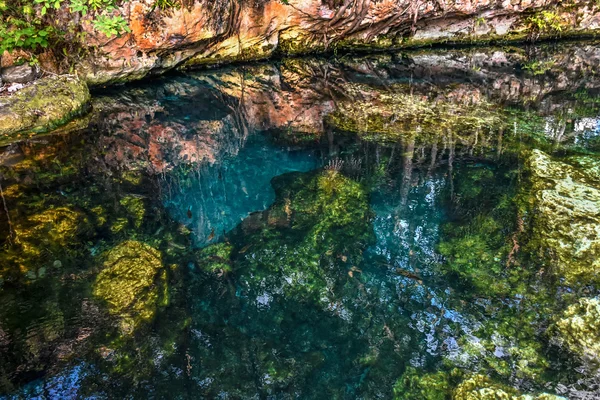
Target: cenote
(421, 225)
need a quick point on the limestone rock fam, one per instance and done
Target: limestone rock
(212, 32)
(47, 104)
(23, 73)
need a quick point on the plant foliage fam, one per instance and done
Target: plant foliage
(34, 25)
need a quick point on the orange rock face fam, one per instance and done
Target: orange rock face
(211, 32)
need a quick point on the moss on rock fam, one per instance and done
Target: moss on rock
(43, 106)
(216, 258)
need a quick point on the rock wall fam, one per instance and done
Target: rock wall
(212, 32)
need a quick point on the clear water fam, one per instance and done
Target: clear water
(362, 227)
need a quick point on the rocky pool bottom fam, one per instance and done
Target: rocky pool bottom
(421, 226)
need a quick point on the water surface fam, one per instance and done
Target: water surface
(417, 226)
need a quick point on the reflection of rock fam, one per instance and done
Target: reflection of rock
(397, 113)
(42, 106)
(579, 328)
(133, 282)
(140, 137)
(567, 223)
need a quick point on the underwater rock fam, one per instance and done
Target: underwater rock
(132, 283)
(579, 328)
(566, 225)
(216, 258)
(45, 105)
(415, 385)
(50, 231)
(480, 387)
(316, 230)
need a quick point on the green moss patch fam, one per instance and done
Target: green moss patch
(43, 106)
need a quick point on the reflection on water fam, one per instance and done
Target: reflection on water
(421, 226)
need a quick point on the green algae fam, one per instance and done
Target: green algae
(216, 258)
(135, 208)
(415, 385)
(476, 244)
(320, 220)
(132, 282)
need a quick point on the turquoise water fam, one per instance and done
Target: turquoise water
(362, 227)
(222, 194)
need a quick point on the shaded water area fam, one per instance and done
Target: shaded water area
(411, 226)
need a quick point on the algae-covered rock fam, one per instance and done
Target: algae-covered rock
(567, 220)
(316, 230)
(135, 208)
(40, 237)
(579, 328)
(415, 385)
(480, 387)
(45, 105)
(52, 227)
(216, 258)
(132, 283)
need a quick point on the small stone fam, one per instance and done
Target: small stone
(19, 74)
(14, 87)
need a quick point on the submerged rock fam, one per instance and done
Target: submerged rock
(579, 328)
(45, 105)
(133, 283)
(415, 385)
(480, 387)
(566, 225)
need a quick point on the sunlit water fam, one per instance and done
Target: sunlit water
(369, 227)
